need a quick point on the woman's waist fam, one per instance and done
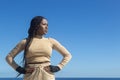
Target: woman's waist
(37, 59)
(38, 62)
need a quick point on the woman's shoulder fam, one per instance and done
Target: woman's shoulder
(23, 41)
(53, 40)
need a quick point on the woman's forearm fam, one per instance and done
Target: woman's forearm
(11, 62)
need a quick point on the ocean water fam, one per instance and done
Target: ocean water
(68, 79)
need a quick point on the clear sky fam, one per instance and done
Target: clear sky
(89, 29)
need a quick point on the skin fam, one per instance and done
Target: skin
(43, 28)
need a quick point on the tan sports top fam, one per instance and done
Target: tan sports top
(40, 50)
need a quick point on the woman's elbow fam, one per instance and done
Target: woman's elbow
(70, 56)
(8, 58)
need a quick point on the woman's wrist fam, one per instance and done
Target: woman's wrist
(54, 68)
(20, 70)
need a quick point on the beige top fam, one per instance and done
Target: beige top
(40, 50)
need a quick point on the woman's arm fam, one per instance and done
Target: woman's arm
(63, 51)
(16, 50)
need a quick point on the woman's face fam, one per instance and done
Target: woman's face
(43, 28)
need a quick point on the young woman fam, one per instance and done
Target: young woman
(37, 53)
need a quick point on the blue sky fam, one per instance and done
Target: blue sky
(89, 29)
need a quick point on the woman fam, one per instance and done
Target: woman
(37, 53)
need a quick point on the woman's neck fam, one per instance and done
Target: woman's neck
(38, 36)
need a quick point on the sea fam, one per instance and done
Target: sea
(68, 79)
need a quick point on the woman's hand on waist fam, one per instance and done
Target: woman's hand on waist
(30, 69)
